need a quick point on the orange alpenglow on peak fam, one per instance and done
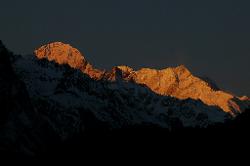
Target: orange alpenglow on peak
(176, 82)
(62, 54)
(65, 54)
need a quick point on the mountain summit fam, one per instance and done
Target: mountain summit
(62, 54)
(178, 82)
(65, 54)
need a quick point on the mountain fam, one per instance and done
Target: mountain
(108, 96)
(65, 54)
(177, 82)
(56, 94)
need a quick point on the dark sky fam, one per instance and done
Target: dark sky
(210, 37)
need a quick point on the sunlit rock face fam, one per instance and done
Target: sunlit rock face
(62, 54)
(177, 82)
(180, 83)
(65, 54)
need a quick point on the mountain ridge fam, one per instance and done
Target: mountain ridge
(46, 104)
(173, 81)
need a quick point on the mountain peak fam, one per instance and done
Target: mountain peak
(181, 67)
(62, 54)
(181, 71)
(125, 68)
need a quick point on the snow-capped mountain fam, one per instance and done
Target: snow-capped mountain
(57, 94)
(71, 89)
(177, 82)
(117, 103)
